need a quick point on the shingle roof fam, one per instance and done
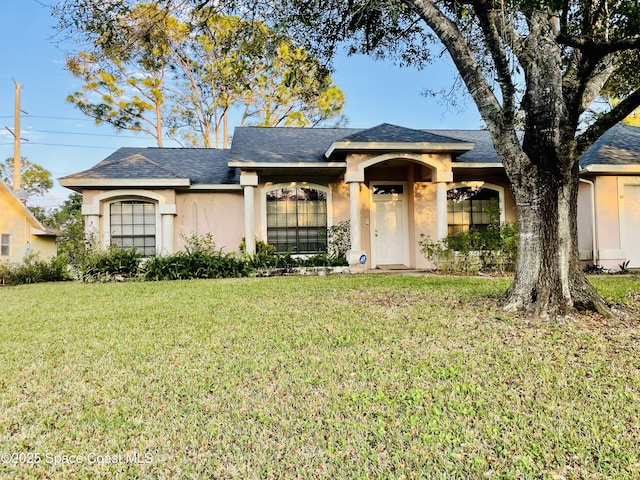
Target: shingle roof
(284, 144)
(309, 145)
(620, 145)
(482, 152)
(200, 165)
(287, 145)
(388, 133)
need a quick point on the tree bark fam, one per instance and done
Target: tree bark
(549, 282)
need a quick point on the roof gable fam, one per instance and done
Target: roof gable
(160, 166)
(387, 133)
(391, 138)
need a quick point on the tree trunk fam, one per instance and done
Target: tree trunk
(549, 282)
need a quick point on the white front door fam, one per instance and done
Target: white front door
(389, 224)
(631, 225)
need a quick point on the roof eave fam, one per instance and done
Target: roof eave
(421, 147)
(75, 183)
(601, 168)
(245, 165)
(477, 165)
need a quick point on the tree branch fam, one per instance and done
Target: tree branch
(608, 120)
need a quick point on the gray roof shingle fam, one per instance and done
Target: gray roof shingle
(284, 144)
(288, 145)
(620, 145)
(200, 165)
(388, 133)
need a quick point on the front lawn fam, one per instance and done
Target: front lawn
(339, 377)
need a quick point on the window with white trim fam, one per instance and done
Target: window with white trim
(133, 224)
(472, 208)
(297, 219)
(5, 244)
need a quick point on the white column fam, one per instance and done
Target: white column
(354, 215)
(91, 230)
(249, 181)
(441, 209)
(167, 234)
(356, 256)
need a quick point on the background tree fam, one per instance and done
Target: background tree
(147, 69)
(69, 221)
(34, 179)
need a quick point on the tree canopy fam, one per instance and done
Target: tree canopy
(181, 73)
(34, 179)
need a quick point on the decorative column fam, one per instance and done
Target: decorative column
(249, 181)
(441, 209)
(167, 213)
(356, 257)
(91, 214)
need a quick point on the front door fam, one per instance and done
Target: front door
(389, 224)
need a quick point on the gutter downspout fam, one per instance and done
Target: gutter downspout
(594, 238)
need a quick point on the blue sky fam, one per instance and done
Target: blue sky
(64, 141)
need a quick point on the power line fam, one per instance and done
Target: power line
(82, 133)
(62, 145)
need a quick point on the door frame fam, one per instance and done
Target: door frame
(403, 236)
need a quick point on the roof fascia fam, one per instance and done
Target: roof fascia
(216, 187)
(476, 165)
(423, 147)
(35, 223)
(242, 164)
(601, 168)
(124, 182)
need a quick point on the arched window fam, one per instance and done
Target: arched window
(472, 208)
(133, 224)
(297, 219)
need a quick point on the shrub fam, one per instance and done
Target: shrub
(103, 265)
(493, 249)
(200, 259)
(34, 270)
(339, 240)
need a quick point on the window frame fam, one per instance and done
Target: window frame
(5, 244)
(476, 184)
(268, 188)
(155, 228)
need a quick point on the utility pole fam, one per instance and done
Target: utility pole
(17, 160)
(16, 140)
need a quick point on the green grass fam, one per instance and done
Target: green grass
(330, 377)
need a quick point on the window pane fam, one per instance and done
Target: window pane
(134, 224)
(296, 219)
(470, 207)
(388, 189)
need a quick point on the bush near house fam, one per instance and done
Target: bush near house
(494, 249)
(35, 270)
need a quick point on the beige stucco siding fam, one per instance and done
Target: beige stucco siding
(585, 221)
(218, 213)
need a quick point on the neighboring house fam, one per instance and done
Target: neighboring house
(21, 233)
(286, 186)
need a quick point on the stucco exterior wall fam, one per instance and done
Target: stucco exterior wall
(218, 213)
(586, 217)
(608, 222)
